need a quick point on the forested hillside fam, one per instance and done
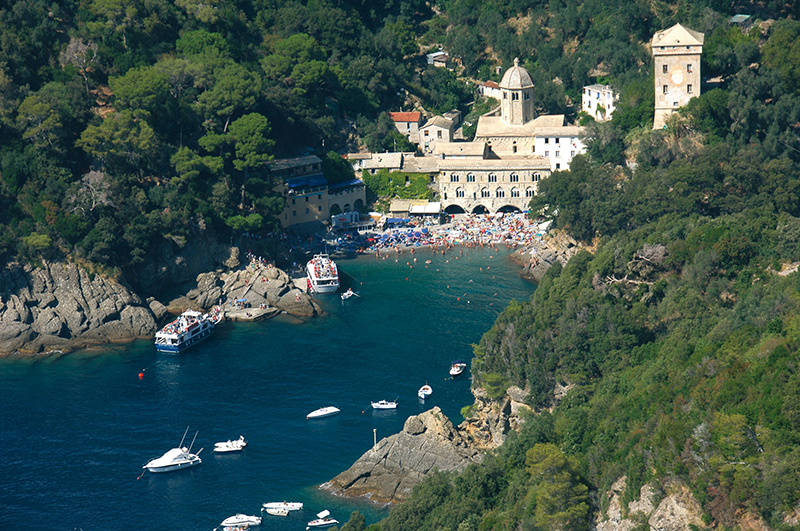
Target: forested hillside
(678, 338)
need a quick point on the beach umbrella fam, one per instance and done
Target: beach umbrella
(418, 235)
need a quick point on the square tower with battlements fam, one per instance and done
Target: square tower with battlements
(676, 54)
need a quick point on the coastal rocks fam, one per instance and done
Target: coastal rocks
(61, 307)
(388, 472)
(253, 287)
(490, 421)
(536, 259)
(179, 261)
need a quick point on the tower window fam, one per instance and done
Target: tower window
(663, 69)
(665, 89)
(689, 68)
(689, 88)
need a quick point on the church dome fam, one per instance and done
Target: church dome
(516, 77)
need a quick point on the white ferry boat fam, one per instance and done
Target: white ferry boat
(189, 328)
(323, 275)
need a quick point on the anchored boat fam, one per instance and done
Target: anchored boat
(230, 446)
(189, 328)
(323, 412)
(176, 458)
(323, 275)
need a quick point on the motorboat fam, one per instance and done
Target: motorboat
(425, 391)
(323, 275)
(323, 412)
(230, 446)
(188, 329)
(277, 512)
(176, 458)
(243, 527)
(383, 404)
(347, 294)
(241, 519)
(285, 506)
(323, 520)
(457, 368)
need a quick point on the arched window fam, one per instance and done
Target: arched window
(515, 192)
(500, 193)
(484, 192)
(514, 178)
(536, 177)
(529, 192)
(492, 178)
(459, 192)
(453, 177)
(470, 178)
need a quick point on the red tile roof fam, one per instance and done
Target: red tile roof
(405, 116)
(491, 84)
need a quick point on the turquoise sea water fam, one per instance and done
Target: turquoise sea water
(76, 429)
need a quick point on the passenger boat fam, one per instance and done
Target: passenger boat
(189, 328)
(323, 520)
(383, 404)
(323, 412)
(241, 519)
(457, 368)
(285, 506)
(176, 458)
(425, 391)
(230, 446)
(323, 275)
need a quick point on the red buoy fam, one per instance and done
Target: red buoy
(141, 376)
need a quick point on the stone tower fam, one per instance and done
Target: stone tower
(676, 54)
(516, 105)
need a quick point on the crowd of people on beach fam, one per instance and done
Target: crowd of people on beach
(511, 229)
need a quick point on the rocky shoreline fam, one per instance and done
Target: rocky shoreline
(387, 473)
(60, 307)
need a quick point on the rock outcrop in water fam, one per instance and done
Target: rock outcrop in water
(388, 472)
(61, 307)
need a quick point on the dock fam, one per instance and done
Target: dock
(249, 314)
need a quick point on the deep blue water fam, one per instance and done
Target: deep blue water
(76, 429)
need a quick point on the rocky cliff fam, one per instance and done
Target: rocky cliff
(537, 258)
(388, 472)
(61, 307)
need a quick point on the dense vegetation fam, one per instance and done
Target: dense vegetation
(678, 339)
(129, 122)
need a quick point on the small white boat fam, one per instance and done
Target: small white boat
(277, 512)
(286, 506)
(383, 404)
(425, 391)
(230, 446)
(323, 412)
(347, 294)
(457, 368)
(176, 458)
(241, 519)
(323, 520)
